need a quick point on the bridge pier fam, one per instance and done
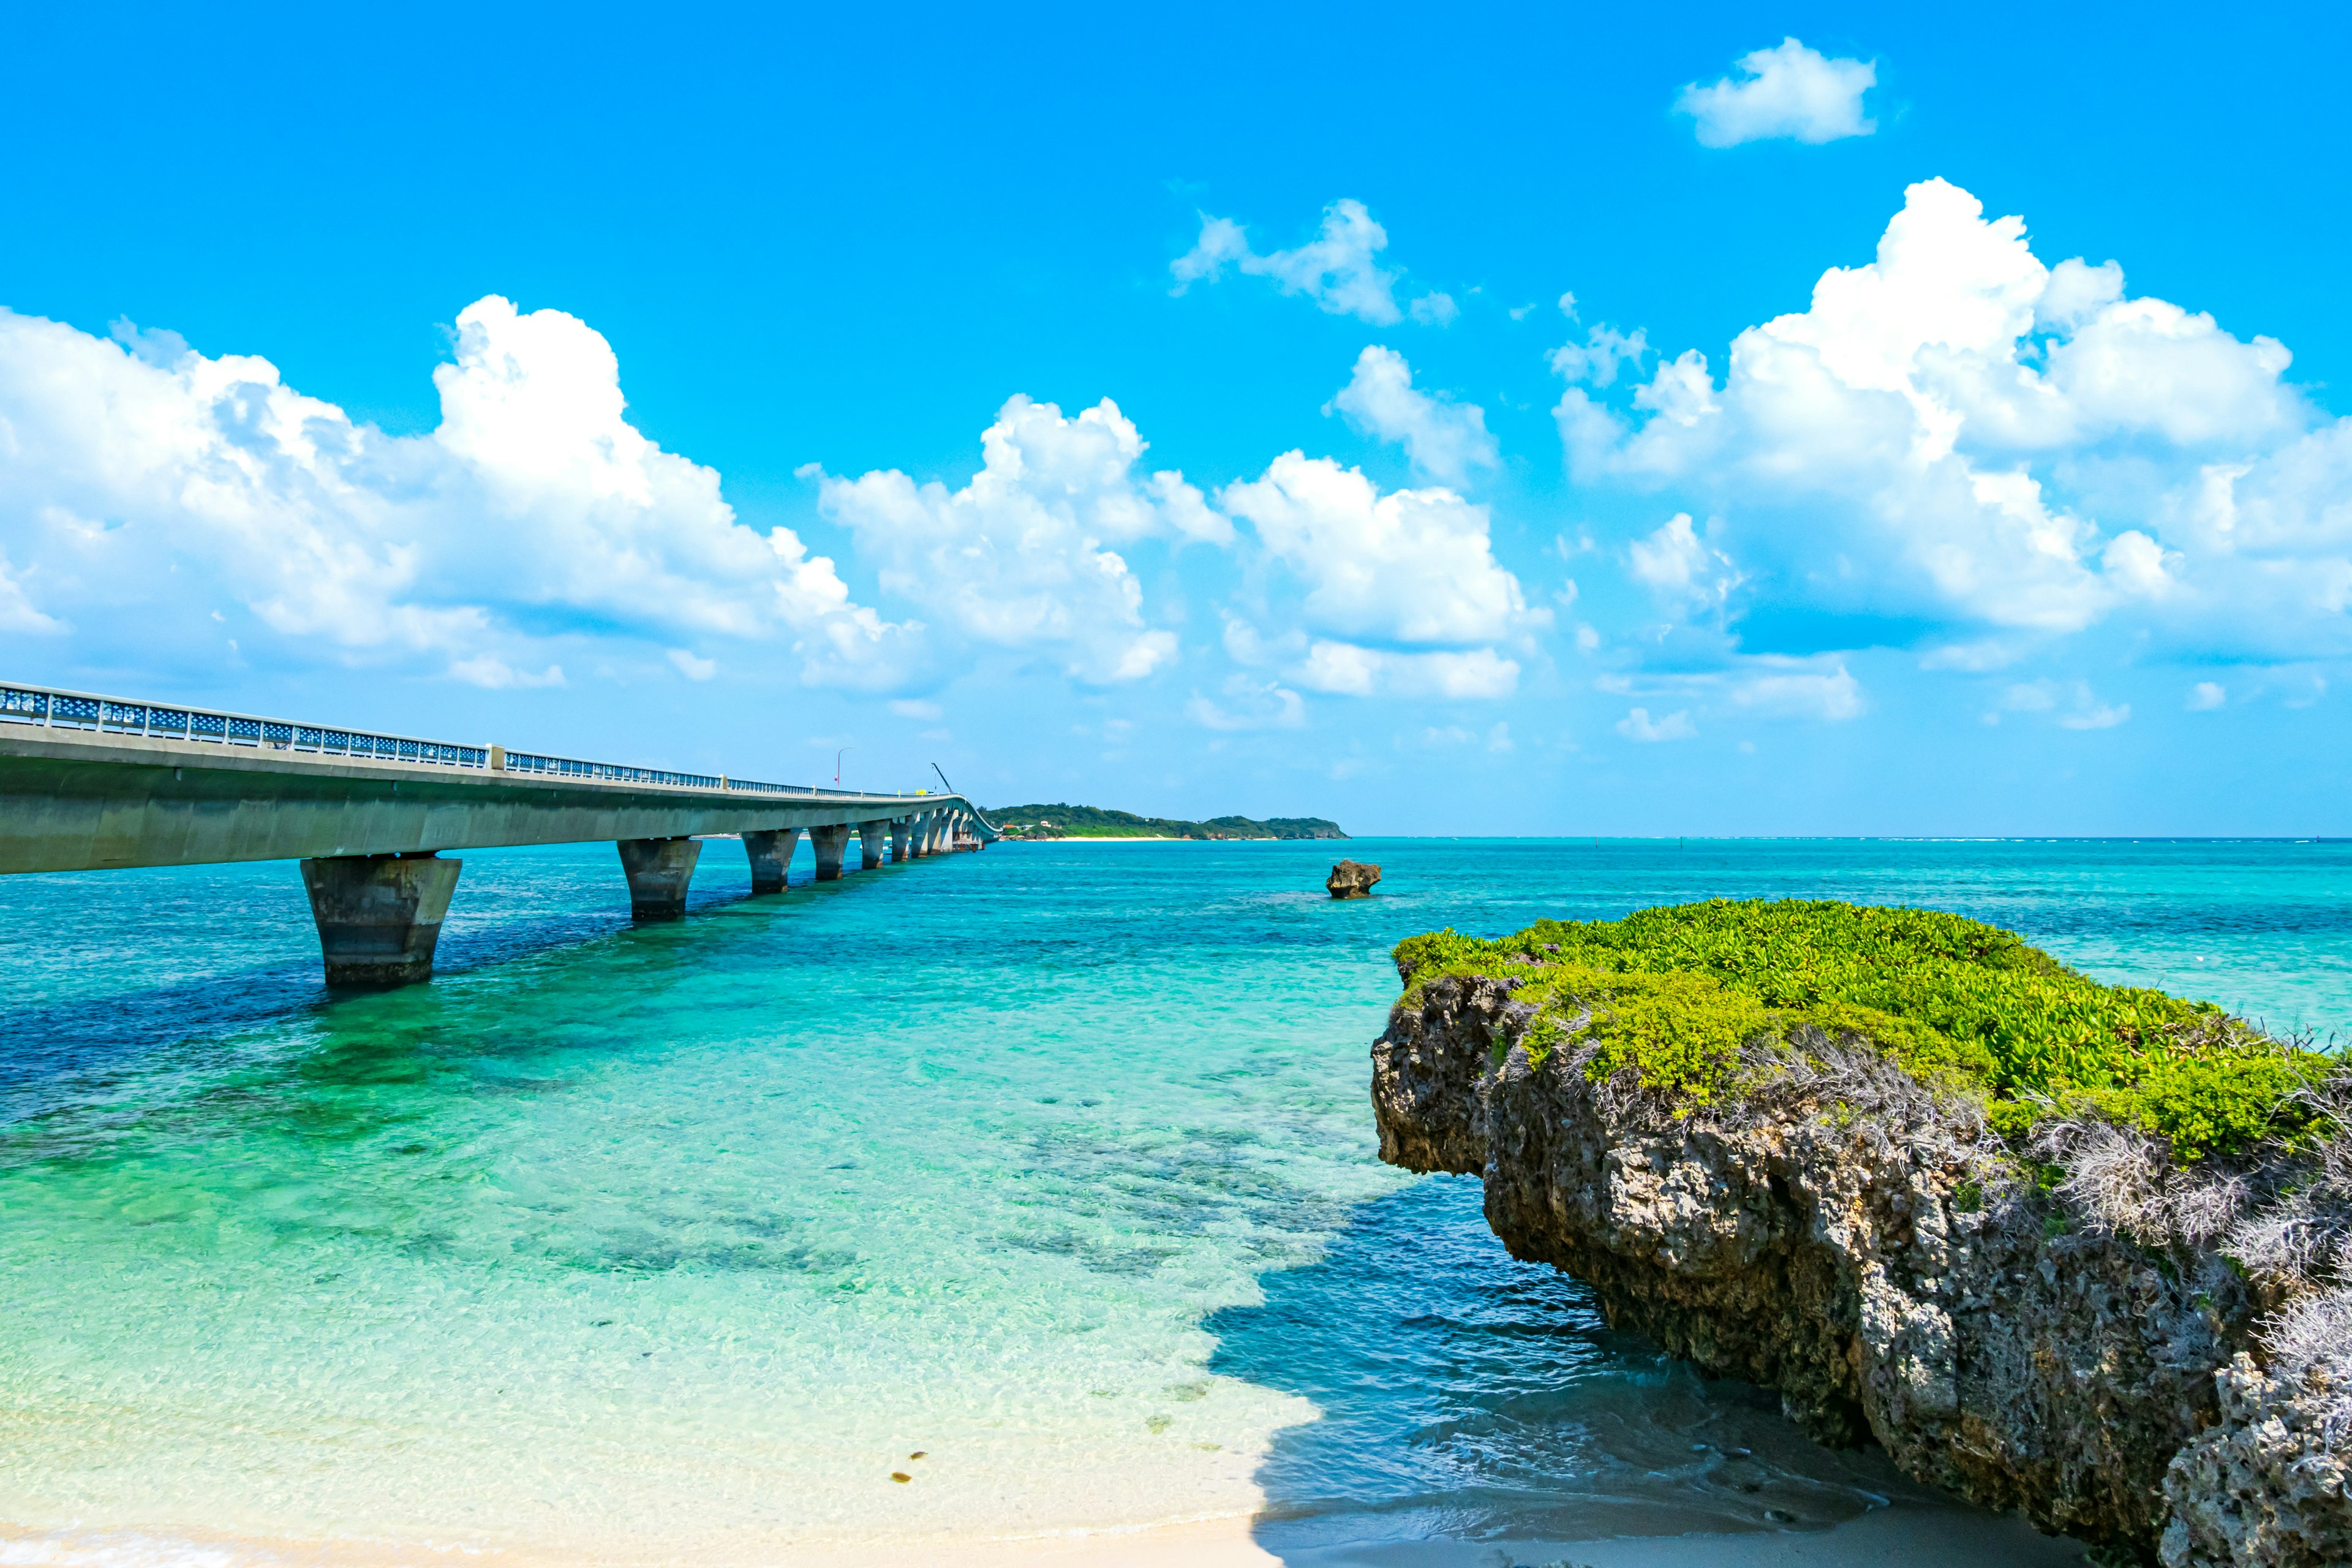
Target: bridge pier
(872, 839)
(658, 870)
(829, 842)
(771, 857)
(902, 833)
(379, 915)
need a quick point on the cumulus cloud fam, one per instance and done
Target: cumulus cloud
(145, 485)
(1410, 568)
(1017, 558)
(1599, 357)
(1444, 441)
(1681, 568)
(1958, 434)
(2206, 695)
(1339, 269)
(1788, 92)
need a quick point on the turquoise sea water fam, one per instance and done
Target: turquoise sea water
(1054, 1163)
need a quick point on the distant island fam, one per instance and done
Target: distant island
(1093, 822)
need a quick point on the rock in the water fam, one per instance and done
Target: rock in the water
(1352, 879)
(1839, 1236)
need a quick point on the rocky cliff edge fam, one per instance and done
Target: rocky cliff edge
(2060, 1317)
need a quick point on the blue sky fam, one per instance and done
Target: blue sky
(648, 391)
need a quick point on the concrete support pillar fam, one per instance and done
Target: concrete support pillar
(918, 827)
(379, 915)
(772, 856)
(658, 870)
(873, 837)
(829, 842)
(902, 836)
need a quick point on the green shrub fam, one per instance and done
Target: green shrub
(1674, 994)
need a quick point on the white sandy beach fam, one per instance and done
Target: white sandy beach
(1918, 1533)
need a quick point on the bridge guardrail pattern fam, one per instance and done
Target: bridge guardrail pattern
(52, 708)
(78, 711)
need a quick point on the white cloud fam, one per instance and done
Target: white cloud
(1788, 92)
(1412, 567)
(691, 666)
(1637, 725)
(1984, 655)
(1786, 689)
(1016, 558)
(2082, 710)
(1958, 435)
(143, 486)
(2206, 695)
(1767, 686)
(915, 708)
(18, 613)
(497, 674)
(1350, 670)
(1443, 439)
(1250, 704)
(1681, 568)
(1597, 360)
(1339, 269)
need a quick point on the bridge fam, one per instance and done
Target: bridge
(91, 783)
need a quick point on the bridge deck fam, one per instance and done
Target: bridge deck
(77, 800)
(91, 782)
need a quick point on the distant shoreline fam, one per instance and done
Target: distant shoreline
(1162, 839)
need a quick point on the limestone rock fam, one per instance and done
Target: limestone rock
(1865, 1247)
(1352, 879)
(2262, 1489)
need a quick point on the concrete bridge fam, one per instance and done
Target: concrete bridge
(91, 782)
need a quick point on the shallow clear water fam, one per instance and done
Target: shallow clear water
(1053, 1162)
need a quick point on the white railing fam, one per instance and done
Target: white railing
(55, 710)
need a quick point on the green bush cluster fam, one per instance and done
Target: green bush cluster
(1674, 994)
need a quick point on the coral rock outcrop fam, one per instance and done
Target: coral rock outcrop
(1844, 1234)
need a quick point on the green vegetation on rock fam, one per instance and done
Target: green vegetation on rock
(1675, 995)
(1063, 821)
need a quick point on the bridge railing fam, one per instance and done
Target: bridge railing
(82, 710)
(79, 710)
